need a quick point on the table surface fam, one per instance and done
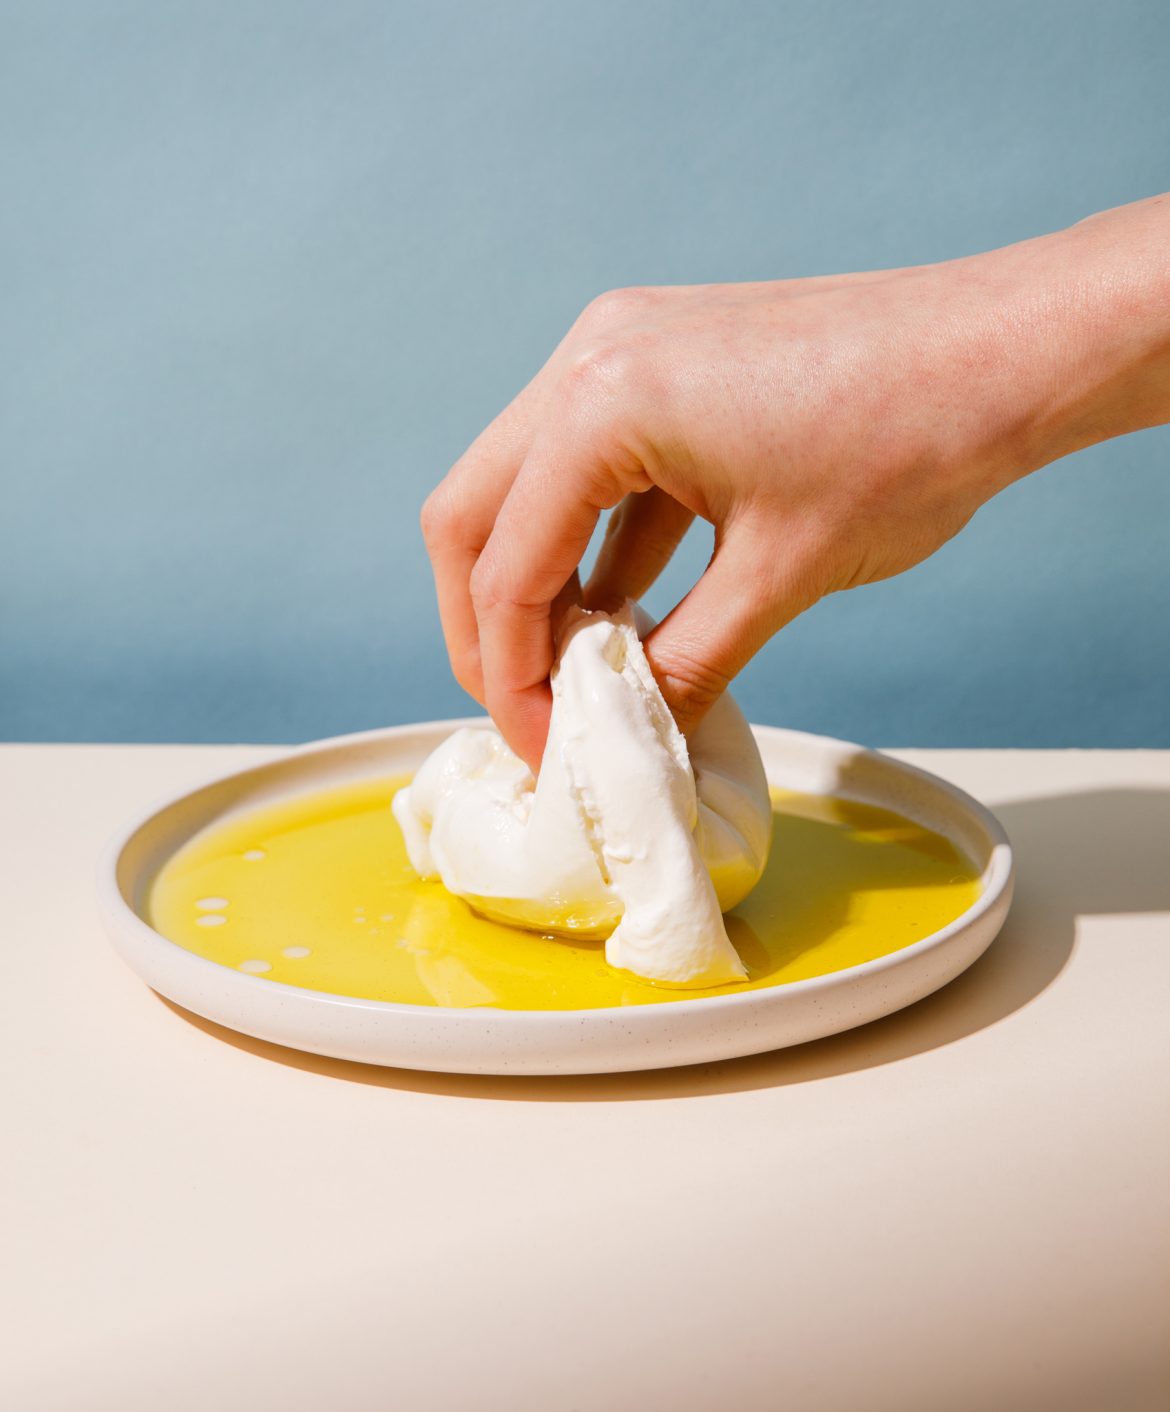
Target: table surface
(963, 1206)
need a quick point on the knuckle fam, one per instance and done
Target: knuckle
(616, 305)
(660, 540)
(466, 668)
(488, 585)
(599, 370)
(693, 684)
(483, 584)
(435, 517)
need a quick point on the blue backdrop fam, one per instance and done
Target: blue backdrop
(268, 267)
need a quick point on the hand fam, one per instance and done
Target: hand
(835, 431)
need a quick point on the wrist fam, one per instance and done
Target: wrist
(1092, 304)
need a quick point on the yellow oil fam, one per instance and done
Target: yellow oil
(318, 893)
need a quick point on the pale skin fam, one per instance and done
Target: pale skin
(834, 431)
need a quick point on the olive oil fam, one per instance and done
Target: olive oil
(318, 892)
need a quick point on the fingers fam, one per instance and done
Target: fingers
(753, 586)
(643, 532)
(527, 574)
(457, 521)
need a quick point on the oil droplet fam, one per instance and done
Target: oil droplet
(255, 968)
(212, 919)
(294, 953)
(254, 855)
(212, 904)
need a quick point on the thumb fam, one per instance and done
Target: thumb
(751, 588)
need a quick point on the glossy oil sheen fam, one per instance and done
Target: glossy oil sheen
(326, 877)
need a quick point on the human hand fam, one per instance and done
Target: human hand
(835, 431)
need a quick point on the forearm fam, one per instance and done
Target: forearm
(1089, 325)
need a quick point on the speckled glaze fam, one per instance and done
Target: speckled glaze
(486, 1041)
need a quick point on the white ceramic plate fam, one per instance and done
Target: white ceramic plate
(487, 1041)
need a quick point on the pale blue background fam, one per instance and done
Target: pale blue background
(267, 268)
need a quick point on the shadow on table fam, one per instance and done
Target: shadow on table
(1096, 853)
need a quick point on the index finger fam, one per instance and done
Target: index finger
(457, 521)
(540, 534)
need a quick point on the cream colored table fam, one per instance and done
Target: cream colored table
(965, 1206)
